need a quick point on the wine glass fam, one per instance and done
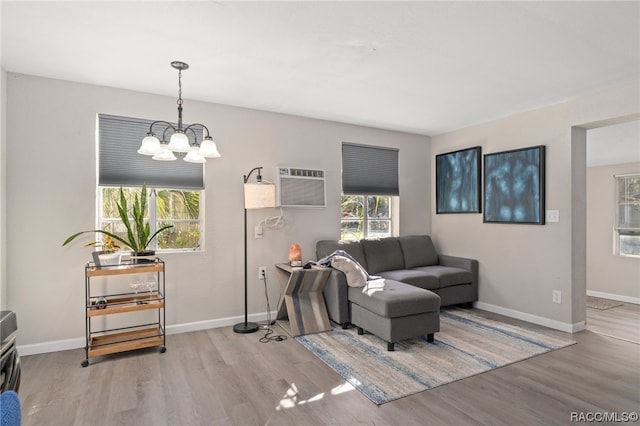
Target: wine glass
(150, 283)
(136, 285)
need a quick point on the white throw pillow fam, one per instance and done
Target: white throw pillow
(356, 275)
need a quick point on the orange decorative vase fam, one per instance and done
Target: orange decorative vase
(295, 255)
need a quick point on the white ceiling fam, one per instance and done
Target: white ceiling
(616, 144)
(420, 67)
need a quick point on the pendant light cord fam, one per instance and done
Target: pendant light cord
(179, 87)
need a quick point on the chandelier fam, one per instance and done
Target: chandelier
(181, 140)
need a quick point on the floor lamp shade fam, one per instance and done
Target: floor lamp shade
(259, 195)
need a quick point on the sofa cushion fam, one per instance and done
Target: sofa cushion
(392, 299)
(325, 247)
(447, 275)
(418, 250)
(383, 254)
(413, 277)
(356, 276)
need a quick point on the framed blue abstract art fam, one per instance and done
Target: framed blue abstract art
(514, 185)
(458, 181)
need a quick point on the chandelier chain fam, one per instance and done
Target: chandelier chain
(179, 87)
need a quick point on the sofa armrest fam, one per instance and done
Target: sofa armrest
(470, 265)
(336, 297)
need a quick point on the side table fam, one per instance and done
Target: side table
(303, 302)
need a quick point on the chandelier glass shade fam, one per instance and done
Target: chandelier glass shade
(182, 140)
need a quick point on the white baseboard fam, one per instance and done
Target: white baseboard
(53, 346)
(79, 342)
(619, 298)
(546, 322)
(215, 323)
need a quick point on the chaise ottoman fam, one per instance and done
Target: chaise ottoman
(394, 311)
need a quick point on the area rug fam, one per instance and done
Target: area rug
(602, 304)
(468, 344)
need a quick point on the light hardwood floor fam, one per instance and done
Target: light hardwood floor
(217, 377)
(622, 322)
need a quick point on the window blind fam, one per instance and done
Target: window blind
(369, 170)
(119, 163)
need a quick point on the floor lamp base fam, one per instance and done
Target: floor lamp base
(246, 327)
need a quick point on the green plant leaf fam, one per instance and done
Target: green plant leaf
(137, 220)
(145, 240)
(123, 210)
(159, 231)
(114, 236)
(138, 238)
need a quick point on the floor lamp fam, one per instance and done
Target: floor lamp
(258, 195)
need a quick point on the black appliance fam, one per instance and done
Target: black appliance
(9, 358)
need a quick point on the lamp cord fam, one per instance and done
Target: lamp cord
(274, 222)
(269, 331)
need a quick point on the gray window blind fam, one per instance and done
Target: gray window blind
(120, 164)
(369, 170)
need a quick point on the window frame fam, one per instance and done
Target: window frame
(152, 218)
(118, 164)
(371, 171)
(366, 234)
(619, 230)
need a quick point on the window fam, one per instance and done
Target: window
(369, 180)
(627, 226)
(174, 188)
(180, 208)
(359, 222)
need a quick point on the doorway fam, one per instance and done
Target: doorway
(613, 294)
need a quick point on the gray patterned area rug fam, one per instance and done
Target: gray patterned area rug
(602, 304)
(468, 344)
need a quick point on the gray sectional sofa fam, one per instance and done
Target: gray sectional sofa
(407, 259)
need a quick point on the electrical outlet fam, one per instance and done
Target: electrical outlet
(262, 272)
(556, 296)
(553, 215)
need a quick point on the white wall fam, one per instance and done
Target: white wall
(3, 192)
(51, 189)
(606, 272)
(50, 193)
(520, 265)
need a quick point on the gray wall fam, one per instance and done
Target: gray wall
(3, 192)
(51, 192)
(3, 162)
(521, 265)
(617, 276)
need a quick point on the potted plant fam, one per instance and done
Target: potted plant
(107, 255)
(138, 232)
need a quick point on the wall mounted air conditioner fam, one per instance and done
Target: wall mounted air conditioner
(300, 187)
